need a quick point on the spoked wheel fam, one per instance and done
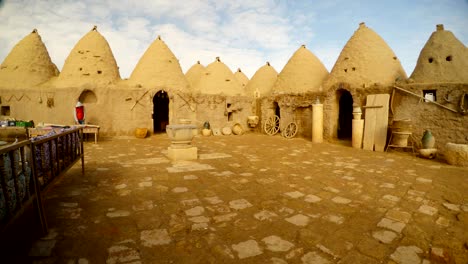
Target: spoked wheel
(271, 126)
(290, 130)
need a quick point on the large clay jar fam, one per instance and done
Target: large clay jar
(206, 132)
(427, 141)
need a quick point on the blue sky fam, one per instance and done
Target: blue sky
(245, 34)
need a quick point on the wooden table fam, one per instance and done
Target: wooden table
(91, 129)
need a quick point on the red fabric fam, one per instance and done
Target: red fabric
(80, 112)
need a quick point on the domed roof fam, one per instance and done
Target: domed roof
(303, 73)
(444, 58)
(262, 81)
(241, 77)
(28, 64)
(90, 61)
(219, 79)
(194, 74)
(366, 59)
(159, 67)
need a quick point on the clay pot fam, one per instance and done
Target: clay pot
(206, 132)
(428, 153)
(141, 132)
(237, 129)
(400, 139)
(427, 141)
(402, 125)
(226, 131)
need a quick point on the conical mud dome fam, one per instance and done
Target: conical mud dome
(303, 73)
(241, 77)
(262, 82)
(90, 61)
(194, 74)
(28, 64)
(444, 58)
(366, 60)
(159, 67)
(219, 79)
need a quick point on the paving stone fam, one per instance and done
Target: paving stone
(391, 224)
(399, 216)
(200, 219)
(441, 255)
(199, 226)
(426, 209)
(406, 255)
(391, 198)
(442, 221)
(299, 220)
(337, 219)
(122, 254)
(190, 202)
(118, 213)
(213, 200)
(239, 204)
(265, 215)
(42, 248)
(69, 205)
(145, 184)
(384, 236)
(387, 185)
(327, 251)
(453, 207)
(348, 178)
(180, 189)
(190, 177)
(310, 198)
(423, 180)
(314, 258)
(341, 200)
(120, 186)
(188, 166)
(224, 218)
(286, 210)
(294, 253)
(294, 194)
(197, 210)
(208, 156)
(275, 243)
(416, 193)
(247, 249)
(83, 261)
(331, 189)
(155, 237)
(145, 205)
(246, 174)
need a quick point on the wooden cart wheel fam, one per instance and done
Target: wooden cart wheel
(271, 126)
(290, 130)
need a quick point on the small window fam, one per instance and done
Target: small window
(5, 110)
(430, 95)
(345, 70)
(431, 60)
(0, 100)
(449, 58)
(354, 69)
(99, 72)
(230, 117)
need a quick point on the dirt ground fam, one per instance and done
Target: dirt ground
(255, 199)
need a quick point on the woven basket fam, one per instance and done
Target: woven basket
(141, 132)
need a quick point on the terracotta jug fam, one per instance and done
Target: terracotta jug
(428, 140)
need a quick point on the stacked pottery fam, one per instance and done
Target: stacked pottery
(427, 145)
(401, 132)
(206, 131)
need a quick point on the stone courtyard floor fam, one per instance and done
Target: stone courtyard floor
(255, 199)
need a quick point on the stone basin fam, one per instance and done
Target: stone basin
(181, 135)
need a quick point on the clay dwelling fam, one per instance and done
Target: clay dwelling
(366, 65)
(194, 74)
(27, 65)
(260, 86)
(156, 87)
(435, 97)
(220, 98)
(297, 86)
(241, 77)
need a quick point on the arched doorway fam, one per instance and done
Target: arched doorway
(160, 111)
(277, 109)
(345, 114)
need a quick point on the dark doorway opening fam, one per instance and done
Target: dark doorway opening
(345, 116)
(160, 111)
(277, 109)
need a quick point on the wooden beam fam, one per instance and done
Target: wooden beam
(419, 96)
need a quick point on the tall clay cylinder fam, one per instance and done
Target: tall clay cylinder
(317, 123)
(358, 129)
